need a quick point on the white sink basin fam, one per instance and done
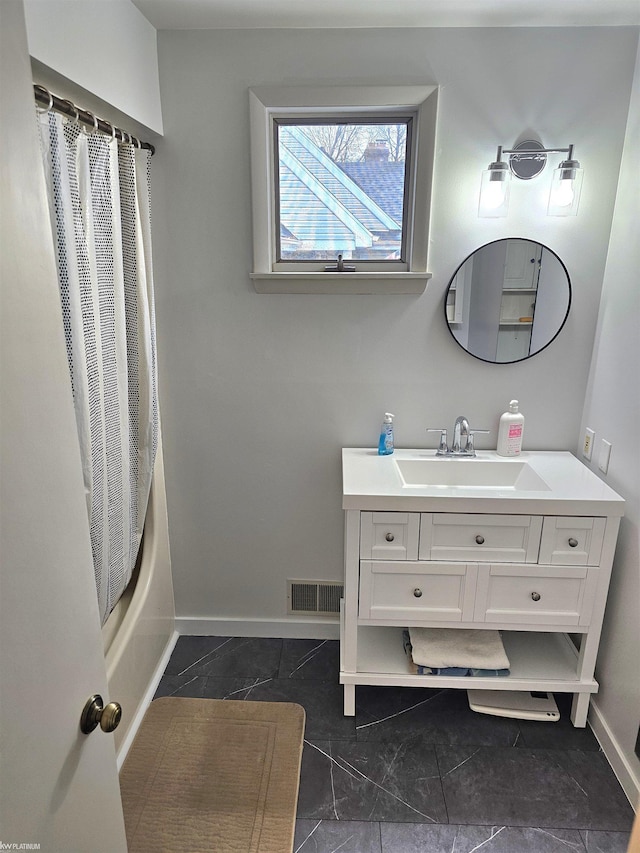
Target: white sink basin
(469, 473)
(538, 482)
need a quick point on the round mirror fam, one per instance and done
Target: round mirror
(508, 300)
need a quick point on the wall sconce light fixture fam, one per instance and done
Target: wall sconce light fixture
(526, 161)
(494, 188)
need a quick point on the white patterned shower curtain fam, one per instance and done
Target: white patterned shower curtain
(99, 203)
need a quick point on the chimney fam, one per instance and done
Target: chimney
(377, 151)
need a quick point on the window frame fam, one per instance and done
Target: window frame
(325, 104)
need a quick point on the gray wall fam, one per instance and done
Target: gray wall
(108, 48)
(260, 392)
(612, 409)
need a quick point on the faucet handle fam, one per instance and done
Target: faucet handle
(442, 447)
(470, 445)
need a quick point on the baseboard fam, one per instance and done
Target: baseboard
(627, 776)
(125, 746)
(302, 629)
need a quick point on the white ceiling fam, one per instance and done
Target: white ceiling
(337, 14)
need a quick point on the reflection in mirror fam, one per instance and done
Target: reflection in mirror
(508, 300)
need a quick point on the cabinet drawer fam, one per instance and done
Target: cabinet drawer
(537, 596)
(389, 535)
(572, 541)
(412, 592)
(482, 538)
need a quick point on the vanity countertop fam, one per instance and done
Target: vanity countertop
(372, 482)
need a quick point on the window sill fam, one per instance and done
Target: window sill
(341, 282)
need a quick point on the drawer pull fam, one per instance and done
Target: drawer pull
(535, 596)
(480, 539)
(417, 592)
(389, 537)
(573, 543)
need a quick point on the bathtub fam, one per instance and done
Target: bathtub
(139, 635)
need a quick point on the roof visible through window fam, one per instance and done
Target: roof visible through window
(341, 189)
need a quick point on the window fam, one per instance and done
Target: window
(341, 181)
(340, 189)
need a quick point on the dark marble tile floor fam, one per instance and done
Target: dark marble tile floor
(416, 771)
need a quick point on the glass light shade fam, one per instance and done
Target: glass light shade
(494, 191)
(566, 186)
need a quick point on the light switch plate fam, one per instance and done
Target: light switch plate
(604, 456)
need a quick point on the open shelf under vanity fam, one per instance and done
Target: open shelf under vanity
(538, 661)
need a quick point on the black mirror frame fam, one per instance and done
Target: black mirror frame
(531, 355)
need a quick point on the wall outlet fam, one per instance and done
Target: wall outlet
(587, 446)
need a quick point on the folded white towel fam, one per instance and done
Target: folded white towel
(461, 647)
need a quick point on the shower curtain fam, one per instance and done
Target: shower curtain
(98, 194)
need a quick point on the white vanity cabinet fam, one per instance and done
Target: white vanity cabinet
(535, 565)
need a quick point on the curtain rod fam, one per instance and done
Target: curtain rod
(68, 108)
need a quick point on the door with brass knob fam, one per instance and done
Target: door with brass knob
(96, 713)
(60, 791)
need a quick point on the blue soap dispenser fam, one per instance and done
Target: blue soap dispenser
(385, 444)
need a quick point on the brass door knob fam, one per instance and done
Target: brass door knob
(94, 713)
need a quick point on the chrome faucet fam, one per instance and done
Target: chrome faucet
(461, 432)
